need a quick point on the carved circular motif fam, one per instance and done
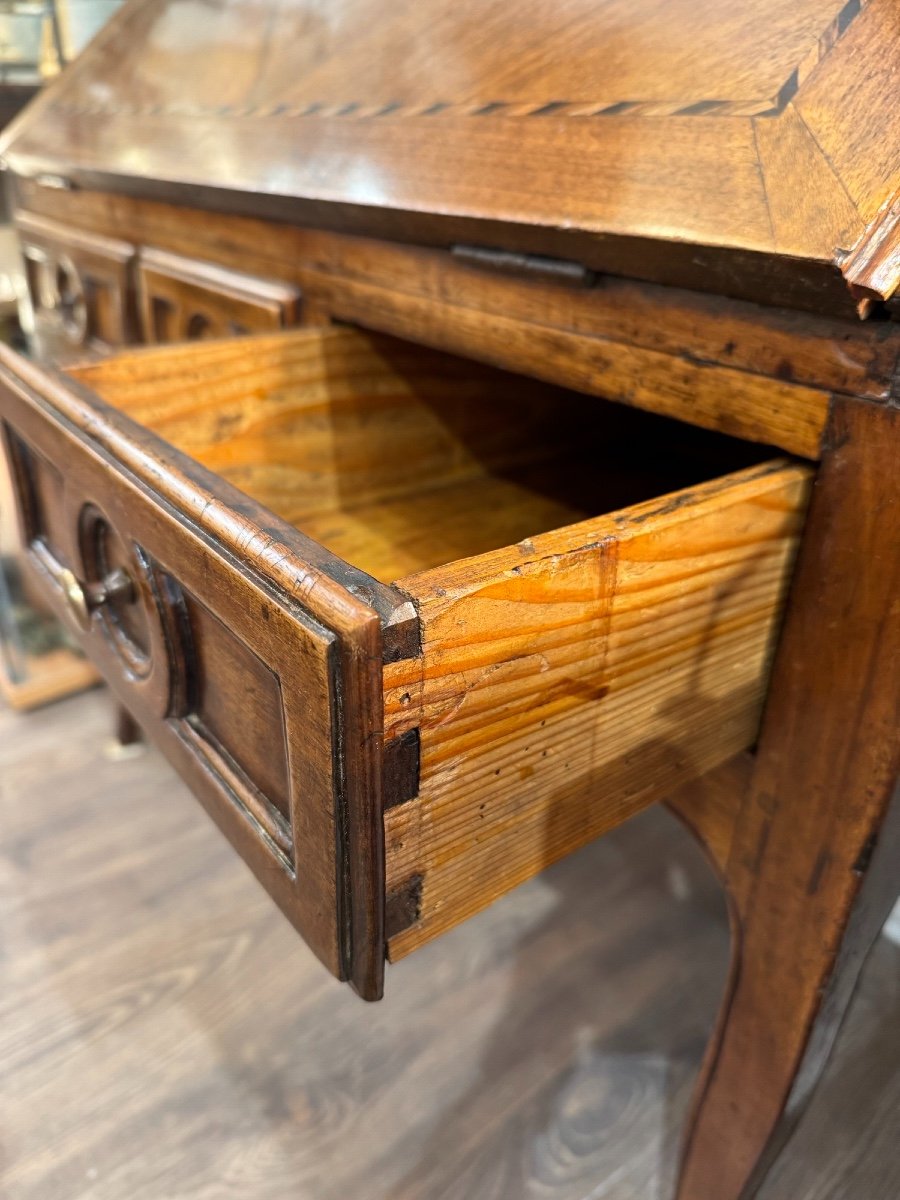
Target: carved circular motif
(68, 299)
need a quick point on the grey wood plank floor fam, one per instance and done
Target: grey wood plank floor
(164, 1035)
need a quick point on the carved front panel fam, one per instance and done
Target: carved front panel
(184, 300)
(80, 284)
(240, 659)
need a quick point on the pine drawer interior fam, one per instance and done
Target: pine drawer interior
(398, 458)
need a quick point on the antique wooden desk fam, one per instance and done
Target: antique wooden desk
(463, 521)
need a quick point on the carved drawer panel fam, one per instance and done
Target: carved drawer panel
(79, 284)
(182, 299)
(411, 628)
(227, 635)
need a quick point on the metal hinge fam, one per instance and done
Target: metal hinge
(534, 266)
(57, 183)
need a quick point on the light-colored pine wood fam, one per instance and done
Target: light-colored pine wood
(403, 535)
(570, 680)
(333, 420)
(394, 456)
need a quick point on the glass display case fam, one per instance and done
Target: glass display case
(39, 661)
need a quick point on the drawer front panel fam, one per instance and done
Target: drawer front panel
(268, 707)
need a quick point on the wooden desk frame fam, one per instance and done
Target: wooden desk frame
(809, 853)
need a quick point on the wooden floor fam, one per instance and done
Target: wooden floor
(165, 1035)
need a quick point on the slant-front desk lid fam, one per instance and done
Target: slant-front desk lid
(750, 148)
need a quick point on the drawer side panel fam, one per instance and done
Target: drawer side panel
(567, 682)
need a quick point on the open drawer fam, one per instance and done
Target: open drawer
(411, 628)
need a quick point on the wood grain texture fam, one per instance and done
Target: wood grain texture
(165, 675)
(80, 284)
(627, 132)
(395, 538)
(821, 203)
(568, 681)
(784, 190)
(396, 457)
(755, 371)
(842, 107)
(334, 420)
(813, 868)
(188, 1044)
(873, 268)
(784, 414)
(182, 300)
(862, 1084)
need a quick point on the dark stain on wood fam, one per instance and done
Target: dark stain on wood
(401, 768)
(865, 855)
(402, 906)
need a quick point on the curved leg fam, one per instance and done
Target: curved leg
(811, 857)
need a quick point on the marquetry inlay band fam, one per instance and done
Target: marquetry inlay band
(769, 106)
